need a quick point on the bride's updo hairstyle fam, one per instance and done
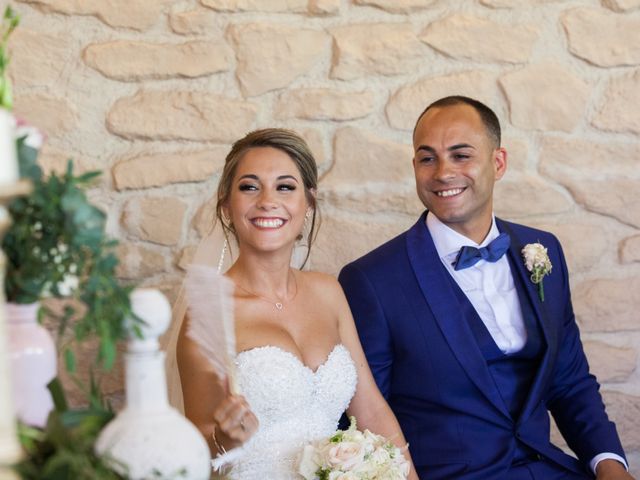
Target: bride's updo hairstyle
(290, 143)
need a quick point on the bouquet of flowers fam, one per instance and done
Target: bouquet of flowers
(353, 455)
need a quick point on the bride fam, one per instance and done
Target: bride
(300, 363)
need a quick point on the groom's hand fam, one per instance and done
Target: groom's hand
(612, 470)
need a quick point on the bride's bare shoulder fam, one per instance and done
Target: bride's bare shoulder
(322, 283)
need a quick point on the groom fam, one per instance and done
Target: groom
(470, 352)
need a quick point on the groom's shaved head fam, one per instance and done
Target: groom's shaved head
(488, 117)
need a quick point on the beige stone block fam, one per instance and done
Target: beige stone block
(324, 104)
(324, 7)
(406, 104)
(545, 96)
(181, 115)
(522, 195)
(560, 157)
(615, 44)
(135, 14)
(610, 363)
(271, 56)
(375, 49)
(363, 156)
(38, 59)
(198, 21)
(297, 6)
(344, 238)
(512, 4)
(624, 410)
(53, 116)
(614, 113)
(629, 249)
(139, 262)
(517, 154)
(154, 219)
(397, 6)
(55, 160)
(373, 198)
(131, 61)
(315, 140)
(111, 383)
(156, 170)
(581, 256)
(462, 36)
(621, 5)
(608, 304)
(617, 198)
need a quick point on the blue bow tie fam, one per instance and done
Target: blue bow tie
(469, 256)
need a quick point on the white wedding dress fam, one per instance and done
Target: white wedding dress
(294, 406)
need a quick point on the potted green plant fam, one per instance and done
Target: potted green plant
(56, 247)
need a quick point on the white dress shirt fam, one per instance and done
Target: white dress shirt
(488, 286)
(491, 290)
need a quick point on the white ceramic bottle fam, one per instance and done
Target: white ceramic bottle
(149, 438)
(32, 360)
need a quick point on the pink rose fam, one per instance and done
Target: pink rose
(346, 455)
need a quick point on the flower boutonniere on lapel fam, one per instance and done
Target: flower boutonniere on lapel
(538, 263)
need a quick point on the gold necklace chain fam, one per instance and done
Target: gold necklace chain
(279, 305)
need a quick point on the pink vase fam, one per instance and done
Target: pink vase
(32, 362)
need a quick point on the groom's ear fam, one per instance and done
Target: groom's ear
(500, 162)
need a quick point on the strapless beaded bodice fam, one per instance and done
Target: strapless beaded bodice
(294, 406)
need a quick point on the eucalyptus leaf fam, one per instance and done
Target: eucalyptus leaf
(27, 157)
(69, 360)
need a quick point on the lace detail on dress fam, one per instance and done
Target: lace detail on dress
(294, 406)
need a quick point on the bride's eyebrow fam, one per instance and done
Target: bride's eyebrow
(250, 176)
(288, 177)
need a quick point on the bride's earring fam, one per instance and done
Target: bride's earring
(307, 215)
(221, 259)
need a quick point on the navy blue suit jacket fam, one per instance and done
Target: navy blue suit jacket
(428, 365)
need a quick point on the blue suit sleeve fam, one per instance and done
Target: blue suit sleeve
(371, 323)
(574, 399)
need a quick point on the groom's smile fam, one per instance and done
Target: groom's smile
(450, 193)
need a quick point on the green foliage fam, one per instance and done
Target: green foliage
(65, 448)
(57, 247)
(10, 21)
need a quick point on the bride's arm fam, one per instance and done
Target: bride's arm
(225, 420)
(370, 408)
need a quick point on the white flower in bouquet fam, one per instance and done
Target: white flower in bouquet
(353, 455)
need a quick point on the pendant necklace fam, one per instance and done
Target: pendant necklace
(279, 304)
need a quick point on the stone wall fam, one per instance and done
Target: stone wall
(154, 91)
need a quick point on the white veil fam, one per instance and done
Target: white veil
(212, 251)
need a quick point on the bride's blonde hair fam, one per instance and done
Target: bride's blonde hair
(296, 148)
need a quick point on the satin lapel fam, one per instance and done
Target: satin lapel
(526, 288)
(437, 290)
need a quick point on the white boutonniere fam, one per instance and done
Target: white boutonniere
(538, 263)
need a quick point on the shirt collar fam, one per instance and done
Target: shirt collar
(448, 242)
